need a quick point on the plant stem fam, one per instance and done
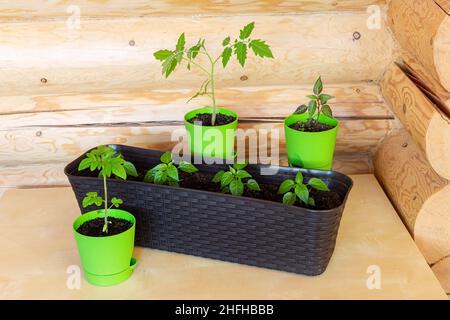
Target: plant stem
(213, 95)
(106, 203)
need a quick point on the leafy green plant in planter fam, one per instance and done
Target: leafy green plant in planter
(311, 132)
(231, 180)
(296, 189)
(223, 120)
(105, 238)
(167, 171)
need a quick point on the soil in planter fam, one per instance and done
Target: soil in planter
(206, 119)
(310, 126)
(324, 200)
(94, 228)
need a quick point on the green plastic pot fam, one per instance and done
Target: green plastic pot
(310, 150)
(211, 141)
(107, 260)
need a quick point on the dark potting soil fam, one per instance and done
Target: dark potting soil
(206, 119)
(324, 200)
(94, 228)
(310, 126)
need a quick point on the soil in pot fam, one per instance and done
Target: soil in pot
(324, 200)
(94, 228)
(206, 119)
(310, 126)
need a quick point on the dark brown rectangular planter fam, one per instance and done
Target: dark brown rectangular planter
(219, 226)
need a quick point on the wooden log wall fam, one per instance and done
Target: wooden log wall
(70, 84)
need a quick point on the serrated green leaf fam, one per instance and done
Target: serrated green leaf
(301, 109)
(187, 167)
(236, 187)
(302, 192)
(166, 157)
(86, 202)
(98, 201)
(172, 172)
(318, 86)
(226, 41)
(130, 169)
(160, 176)
(218, 176)
(119, 171)
(286, 186)
(239, 166)
(116, 202)
(226, 179)
(181, 42)
(162, 55)
(246, 31)
(241, 53)
(312, 107)
(84, 164)
(318, 184)
(261, 48)
(169, 64)
(299, 178)
(289, 198)
(242, 174)
(107, 168)
(252, 184)
(326, 110)
(226, 55)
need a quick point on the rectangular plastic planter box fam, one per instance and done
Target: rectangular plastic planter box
(224, 227)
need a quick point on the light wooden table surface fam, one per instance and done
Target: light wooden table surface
(37, 248)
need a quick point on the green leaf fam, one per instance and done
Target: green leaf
(324, 98)
(169, 64)
(318, 86)
(107, 168)
(130, 169)
(252, 184)
(302, 192)
(194, 50)
(326, 110)
(84, 164)
(116, 202)
(226, 55)
(226, 41)
(242, 174)
(247, 31)
(318, 184)
(239, 166)
(160, 176)
(187, 167)
(162, 55)
(218, 176)
(241, 52)
(312, 107)
(289, 198)
(312, 97)
(172, 172)
(119, 171)
(173, 183)
(226, 179)
(150, 176)
(181, 42)
(286, 186)
(232, 169)
(301, 109)
(166, 157)
(311, 202)
(260, 48)
(236, 187)
(98, 201)
(299, 178)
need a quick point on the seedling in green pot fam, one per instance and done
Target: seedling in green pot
(238, 47)
(317, 105)
(167, 171)
(296, 189)
(109, 163)
(231, 180)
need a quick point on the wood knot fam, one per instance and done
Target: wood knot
(405, 145)
(38, 133)
(356, 35)
(132, 43)
(244, 78)
(43, 80)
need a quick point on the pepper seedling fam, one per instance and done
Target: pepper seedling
(167, 171)
(239, 46)
(318, 103)
(231, 180)
(293, 189)
(109, 163)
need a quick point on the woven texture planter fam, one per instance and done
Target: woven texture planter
(224, 227)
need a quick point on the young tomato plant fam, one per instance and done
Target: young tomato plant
(239, 47)
(167, 172)
(318, 103)
(293, 189)
(231, 180)
(109, 163)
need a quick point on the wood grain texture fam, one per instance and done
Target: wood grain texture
(442, 272)
(47, 57)
(444, 4)
(423, 29)
(41, 9)
(428, 126)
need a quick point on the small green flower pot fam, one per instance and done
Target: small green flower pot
(211, 141)
(107, 260)
(310, 150)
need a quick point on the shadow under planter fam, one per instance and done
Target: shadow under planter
(220, 226)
